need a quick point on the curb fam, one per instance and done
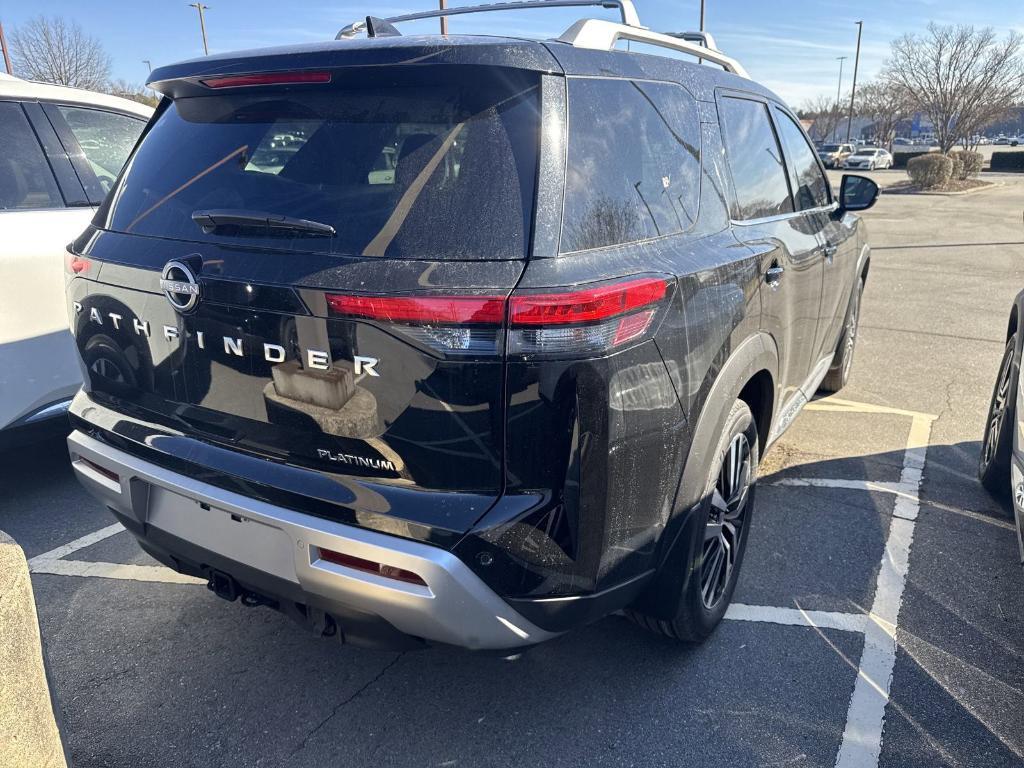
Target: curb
(29, 734)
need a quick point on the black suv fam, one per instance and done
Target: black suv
(470, 340)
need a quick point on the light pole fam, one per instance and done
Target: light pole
(839, 91)
(149, 65)
(444, 19)
(853, 92)
(202, 23)
(702, 9)
(3, 46)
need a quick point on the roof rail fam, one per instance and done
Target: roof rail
(701, 38)
(595, 34)
(626, 8)
(603, 35)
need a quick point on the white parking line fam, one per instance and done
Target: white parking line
(152, 573)
(80, 543)
(797, 617)
(865, 720)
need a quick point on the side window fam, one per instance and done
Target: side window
(106, 139)
(809, 184)
(26, 181)
(633, 165)
(755, 160)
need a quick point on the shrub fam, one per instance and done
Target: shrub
(957, 167)
(1008, 161)
(970, 164)
(929, 171)
(900, 159)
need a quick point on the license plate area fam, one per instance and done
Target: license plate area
(229, 534)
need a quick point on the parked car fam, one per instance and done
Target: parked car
(1002, 141)
(869, 159)
(522, 384)
(1001, 463)
(833, 155)
(60, 151)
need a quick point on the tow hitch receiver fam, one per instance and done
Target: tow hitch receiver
(222, 585)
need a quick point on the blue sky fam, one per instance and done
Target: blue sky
(790, 46)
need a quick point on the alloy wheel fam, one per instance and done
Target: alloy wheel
(725, 521)
(851, 336)
(997, 412)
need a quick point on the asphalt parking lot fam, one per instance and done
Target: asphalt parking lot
(869, 525)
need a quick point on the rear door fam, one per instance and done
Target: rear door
(318, 274)
(813, 198)
(42, 208)
(765, 218)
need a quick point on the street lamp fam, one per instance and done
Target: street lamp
(853, 92)
(839, 91)
(202, 23)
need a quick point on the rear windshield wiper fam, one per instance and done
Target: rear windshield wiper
(239, 217)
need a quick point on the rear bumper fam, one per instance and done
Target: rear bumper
(253, 540)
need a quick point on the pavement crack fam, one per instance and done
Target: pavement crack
(341, 704)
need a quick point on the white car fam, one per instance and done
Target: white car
(868, 159)
(60, 151)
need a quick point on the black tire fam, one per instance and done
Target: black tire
(997, 443)
(716, 529)
(842, 363)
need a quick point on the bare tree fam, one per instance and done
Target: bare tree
(826, 114)
(58, 51)
(961, 77)
(133, 91)
(886, 104)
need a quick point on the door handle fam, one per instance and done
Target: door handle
(774, 274)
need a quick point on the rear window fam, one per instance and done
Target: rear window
(433, 165)
(633, 165)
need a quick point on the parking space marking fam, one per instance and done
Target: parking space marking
(126, 572)
(850, 485)
(73, 546)
(865, 721)
(798, 617)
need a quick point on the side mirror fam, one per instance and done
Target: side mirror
(857, 193)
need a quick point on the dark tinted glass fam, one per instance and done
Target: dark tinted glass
(633, 164)
(437, 165)
(26, 180)
(809, 183)
(755, 159)
(106, 139)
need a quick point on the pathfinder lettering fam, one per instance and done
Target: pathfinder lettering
(272, 353)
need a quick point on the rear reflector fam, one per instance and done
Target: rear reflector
(75, 264)
(266, 78)
(427, 310)
(100, 470)
(368, 566)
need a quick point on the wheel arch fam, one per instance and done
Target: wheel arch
(749, 374)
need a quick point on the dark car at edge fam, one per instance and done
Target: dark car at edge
(464, 340)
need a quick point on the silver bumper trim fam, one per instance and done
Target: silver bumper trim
(455, 607)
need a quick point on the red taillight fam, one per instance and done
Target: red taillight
(585, 306)
(577, 322)
(445, 310)
(266, 78)
(75, 264)
(369, 566)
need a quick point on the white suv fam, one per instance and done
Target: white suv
(60, 151)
